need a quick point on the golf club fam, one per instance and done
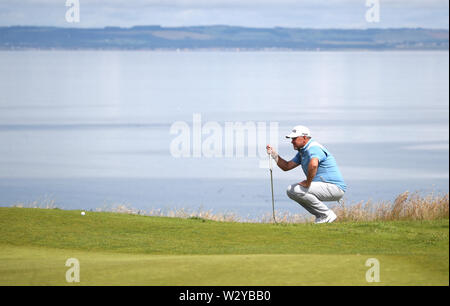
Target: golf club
(271, 186)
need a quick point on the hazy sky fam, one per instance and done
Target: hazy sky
(250, 13)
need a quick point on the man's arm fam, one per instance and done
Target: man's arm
(284, 165)
(312, 171)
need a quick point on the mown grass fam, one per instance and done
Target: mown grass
(35, 243)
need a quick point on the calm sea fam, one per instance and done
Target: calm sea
(90, 129)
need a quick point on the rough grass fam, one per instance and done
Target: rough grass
(405, 207)
(131, 249)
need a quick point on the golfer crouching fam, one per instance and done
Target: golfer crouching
(323, 182)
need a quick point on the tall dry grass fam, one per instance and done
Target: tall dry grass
(405, 207)
(175, 213)
(45, 202)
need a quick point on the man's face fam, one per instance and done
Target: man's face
(299, 142)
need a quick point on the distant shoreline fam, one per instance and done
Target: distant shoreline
(222, 38)
(231, 50)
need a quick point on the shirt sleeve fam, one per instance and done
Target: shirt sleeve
(297, 159)
(317, 152)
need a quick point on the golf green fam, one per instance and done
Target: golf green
(119, 249)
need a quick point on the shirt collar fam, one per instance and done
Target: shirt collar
(306, 145)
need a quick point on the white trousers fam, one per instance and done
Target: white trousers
(311, 198)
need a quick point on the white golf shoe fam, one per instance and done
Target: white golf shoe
(327, 219)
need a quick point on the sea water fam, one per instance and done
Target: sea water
(92, 129)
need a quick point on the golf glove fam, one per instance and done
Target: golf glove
(272, 153)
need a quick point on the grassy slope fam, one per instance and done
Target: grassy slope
(129, 249)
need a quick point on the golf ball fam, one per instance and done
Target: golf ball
(83, 213)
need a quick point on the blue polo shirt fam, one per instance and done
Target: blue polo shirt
(328, 170)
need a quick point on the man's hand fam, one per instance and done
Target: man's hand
(312, 171)
(305, 184)
(272, 152)
(284, 165)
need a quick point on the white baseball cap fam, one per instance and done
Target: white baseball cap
(298, 131)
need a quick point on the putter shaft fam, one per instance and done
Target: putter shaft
(271, 187)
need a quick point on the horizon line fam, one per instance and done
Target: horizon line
(224, 25)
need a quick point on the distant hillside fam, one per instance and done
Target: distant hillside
(221, 37)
